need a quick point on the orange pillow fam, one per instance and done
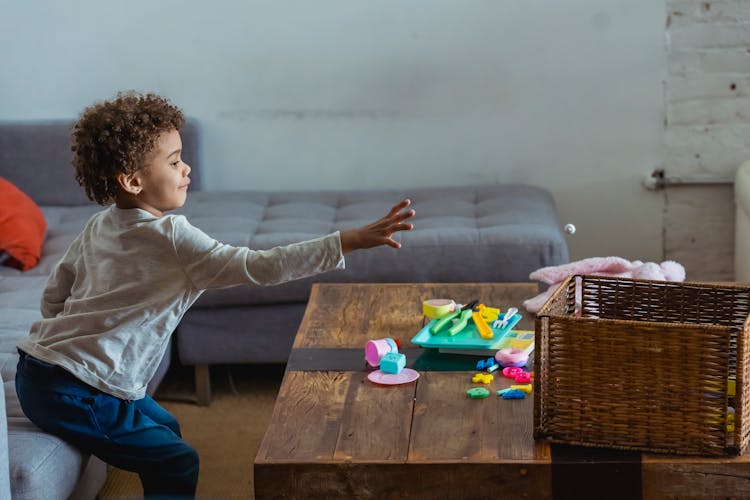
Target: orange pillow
(22, 228)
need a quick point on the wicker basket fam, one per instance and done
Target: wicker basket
(643, 365)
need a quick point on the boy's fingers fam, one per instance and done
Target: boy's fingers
(403, 227)
(402, 216)
(397, 207)
(408, 214)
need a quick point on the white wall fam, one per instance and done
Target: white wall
(343, 94)
(707, 109)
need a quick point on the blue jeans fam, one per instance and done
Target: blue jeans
(139, 436)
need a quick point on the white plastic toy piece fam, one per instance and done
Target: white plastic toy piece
(502, 323)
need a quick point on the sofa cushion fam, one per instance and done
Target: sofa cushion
(40, 463)
(261, 333)
(22, 227)
(63, 225)
(19, 308)
(26, 149)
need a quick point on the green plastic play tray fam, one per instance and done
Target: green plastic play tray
(468, 338)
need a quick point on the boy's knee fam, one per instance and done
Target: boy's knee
(193, 459)
(186, 458)
(176, 474)
(189, 462)
(181, 459)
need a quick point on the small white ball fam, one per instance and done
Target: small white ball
(569, 229)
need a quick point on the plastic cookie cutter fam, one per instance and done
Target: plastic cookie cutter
(482, 378)
(489, 314)
(513, 394)
(459, 319)
(511, 371)
(482, 327)
(478, 393)
(502, 323)
(523, 377)
(485, 365)
(527, 388)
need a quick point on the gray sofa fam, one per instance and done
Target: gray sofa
(486, 233)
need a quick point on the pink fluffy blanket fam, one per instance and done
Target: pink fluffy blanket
(668, 270)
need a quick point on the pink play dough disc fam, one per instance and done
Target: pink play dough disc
(406, 375)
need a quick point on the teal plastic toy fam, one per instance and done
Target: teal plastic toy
(393, 362)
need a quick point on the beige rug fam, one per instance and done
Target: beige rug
(226, 434)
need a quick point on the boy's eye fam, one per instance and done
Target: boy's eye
(175, 163)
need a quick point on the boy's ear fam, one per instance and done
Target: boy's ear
(129, 183)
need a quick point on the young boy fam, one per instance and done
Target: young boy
(112, 302)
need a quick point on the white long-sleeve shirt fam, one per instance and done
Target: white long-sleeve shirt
(113, 301)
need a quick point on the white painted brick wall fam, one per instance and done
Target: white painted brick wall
(719, 11)
(707, 120)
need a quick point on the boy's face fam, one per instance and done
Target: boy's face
(163, 181)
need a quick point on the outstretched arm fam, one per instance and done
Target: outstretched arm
(379, 232)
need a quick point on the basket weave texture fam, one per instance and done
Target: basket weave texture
(643, 365)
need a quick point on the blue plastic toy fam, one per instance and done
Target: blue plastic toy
(514, 394)
(483, 365)
(393, 362)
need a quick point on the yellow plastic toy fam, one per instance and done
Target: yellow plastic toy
(482, 378)
(482, 327)
(489, 314)
(525, 388)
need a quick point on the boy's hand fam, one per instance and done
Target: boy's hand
(379, 232)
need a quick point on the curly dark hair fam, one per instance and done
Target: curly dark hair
(115, 136)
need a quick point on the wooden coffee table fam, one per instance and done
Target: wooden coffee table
(335, 434)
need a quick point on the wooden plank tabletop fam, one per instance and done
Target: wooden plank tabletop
(333, 433)
(348, 315)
